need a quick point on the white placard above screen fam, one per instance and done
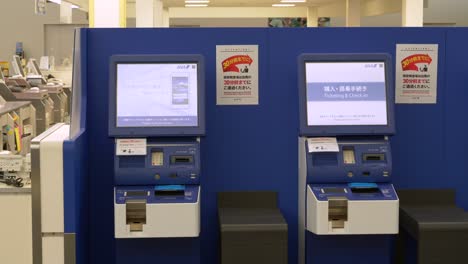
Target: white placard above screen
(346, 93)
(157, 95)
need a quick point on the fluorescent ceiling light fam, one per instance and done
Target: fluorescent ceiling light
(74, 6)
(293, 1)
(197, 1)
(196, 5)
(55, 1)
(283, 5)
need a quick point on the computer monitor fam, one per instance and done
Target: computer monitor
(35, 66)
(156, 95)
(16, 63)
(346, 94)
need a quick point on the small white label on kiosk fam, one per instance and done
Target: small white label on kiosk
(130, 146)
(323, 144)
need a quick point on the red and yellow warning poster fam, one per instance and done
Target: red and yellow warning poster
(237, 74)
(416, 73)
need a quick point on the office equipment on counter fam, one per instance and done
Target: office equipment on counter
(18, 89)
(2, 77)
(439, 227)
(35, 76)
(40, 99)
(20, 84)
(345, 163)
(17, 76)
(17, 66)
(156, 115)
(18, 125)
(55, 90)
(252, 228)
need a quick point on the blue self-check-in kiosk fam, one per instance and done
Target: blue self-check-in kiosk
(156, 115)
(345, 163)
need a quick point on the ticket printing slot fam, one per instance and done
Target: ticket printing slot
(337, 211)
(157, 163)
(135, 211)
(345, 162)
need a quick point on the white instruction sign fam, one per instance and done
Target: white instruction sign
(130, 146)
(416, 73)
(44, 63)
(323, 144)
(237, 74)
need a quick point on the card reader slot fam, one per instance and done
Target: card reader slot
(365, 190)
(181, 159)
(169, 190)
(373, 157)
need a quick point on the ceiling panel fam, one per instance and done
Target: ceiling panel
(83, 4)
(221, 3)
(243, 3)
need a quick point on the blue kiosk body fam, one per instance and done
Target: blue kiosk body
(156, 115)
(345, 163)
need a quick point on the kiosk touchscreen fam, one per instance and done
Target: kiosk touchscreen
(345, 166)
(156, 116)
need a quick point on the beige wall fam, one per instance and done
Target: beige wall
(19, 23)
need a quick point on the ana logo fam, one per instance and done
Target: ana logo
(410, 63)
(230, 64)
(182, 67)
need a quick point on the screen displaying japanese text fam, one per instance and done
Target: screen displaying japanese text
(157, 95)
(346, 93)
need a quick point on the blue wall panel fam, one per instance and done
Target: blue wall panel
(76, 193)
(456, 113)
(75, 152)
(255, 147)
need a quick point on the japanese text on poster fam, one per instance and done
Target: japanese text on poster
(416, 73)
(237, 74)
